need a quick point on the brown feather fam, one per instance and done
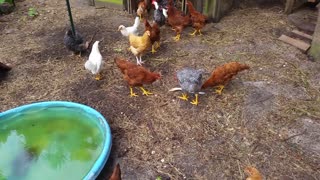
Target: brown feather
(253, 173)
(223, 74)
(136, 75)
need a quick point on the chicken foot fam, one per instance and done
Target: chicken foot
(219, 89)
(195, 101)
(183, 97)
(132, 94)
(139, 60)
(98, 77)
(177, 37)
(145, 92)
(195, 32)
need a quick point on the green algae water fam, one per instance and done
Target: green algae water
(48, 143)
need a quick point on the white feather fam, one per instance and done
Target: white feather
(180, 89)
(94, 63)
(125, 31)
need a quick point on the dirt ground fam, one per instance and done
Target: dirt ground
(267, 117)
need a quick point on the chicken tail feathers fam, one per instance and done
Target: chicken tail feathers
(243, 67)
(116, 174)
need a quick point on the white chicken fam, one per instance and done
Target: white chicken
(94, 63)
(125, 31)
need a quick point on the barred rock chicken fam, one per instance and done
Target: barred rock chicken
(142, 8)
(154, 34)
(116, 174)
(94, 63)
(190, 81)
(177, 20)
(223, 74)
(139, 45)
(253, 173)
(198, 20)
(158, 14)
(136, 75)
(125, 31)
(75, 43)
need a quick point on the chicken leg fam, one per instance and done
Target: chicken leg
(219, 89)
(153, 49)
(137, 60)
(98, 76)
(140, 60)
(183, 97)
(158, 44)
(195, 101)
(132, 94)
(145, 92)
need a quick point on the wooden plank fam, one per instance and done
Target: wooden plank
(302, 34)
(294, 42)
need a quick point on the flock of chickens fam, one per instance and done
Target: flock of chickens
(136, 75)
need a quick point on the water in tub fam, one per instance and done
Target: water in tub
(51, 143)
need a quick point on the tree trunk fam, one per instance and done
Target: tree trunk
(315, 47)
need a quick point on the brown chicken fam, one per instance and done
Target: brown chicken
(223, 74)
(142, 8)
(136, 76)
(198, 20)
(253, 173)
(116, 174)
(176, 20)
(154, 34)
(139, 45)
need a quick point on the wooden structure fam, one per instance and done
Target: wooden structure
(315, 47)
(292, 4)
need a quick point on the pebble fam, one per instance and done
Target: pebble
(153, 152)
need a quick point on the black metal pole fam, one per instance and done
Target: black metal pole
(70, 17)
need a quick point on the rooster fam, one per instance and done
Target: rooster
(223, 74)
(158, 15)
(136, 75)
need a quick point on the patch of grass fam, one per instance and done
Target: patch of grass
(112, 1)
(32, 12)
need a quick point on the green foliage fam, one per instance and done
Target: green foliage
(8, 1)
(33, 12)
(159, 178)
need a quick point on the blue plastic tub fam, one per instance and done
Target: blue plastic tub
(103, 125)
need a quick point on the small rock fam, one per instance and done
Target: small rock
(153, 152)
(162, 160)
